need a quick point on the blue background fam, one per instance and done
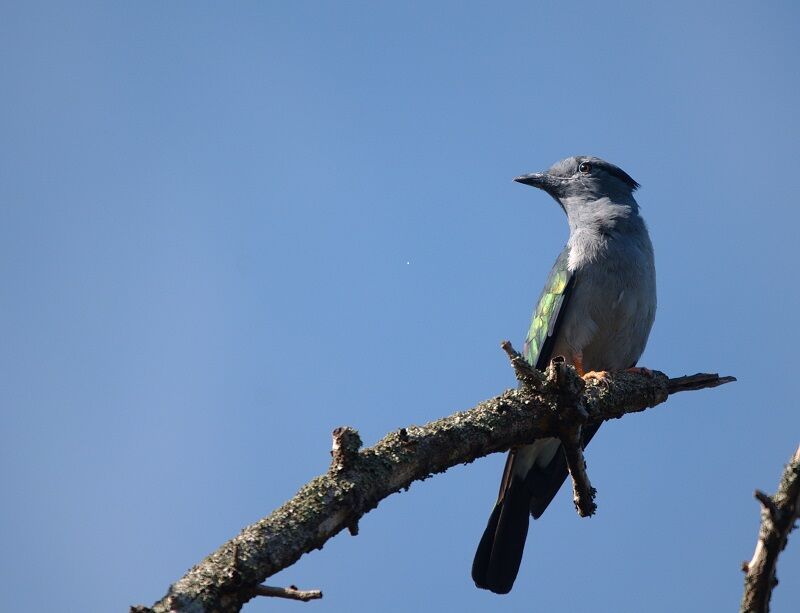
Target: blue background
(226, 229)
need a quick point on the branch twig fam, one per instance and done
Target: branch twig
(525, 373)
(554, 404)
(570, 387)
(778, 515)
(697, 382)
(582, 491)
(291, 592)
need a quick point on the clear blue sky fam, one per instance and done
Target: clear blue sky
(226, 229)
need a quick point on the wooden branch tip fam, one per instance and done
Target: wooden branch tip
(582, 491)
(352, 528)
(291, 593)
(344, 451)
(509, 349)
(524, 372)
(697, 381)
(768, 503)
(557, 370)
(778, 516)
(568, 383)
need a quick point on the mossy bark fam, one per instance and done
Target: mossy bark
(358, 479)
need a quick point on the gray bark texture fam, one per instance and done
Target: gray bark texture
(778, 516)
(555, 403)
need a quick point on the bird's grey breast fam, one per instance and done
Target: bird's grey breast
(613, 304)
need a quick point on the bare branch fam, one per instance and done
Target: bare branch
(554, 404)
(697, 382)
(570, 387)
(768, 504)
(525, 373)
(291, 592)
(778, 516)
(344, 451)
(582, 491)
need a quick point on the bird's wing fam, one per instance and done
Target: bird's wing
(548, 314)
(499, 552)
(545, 322)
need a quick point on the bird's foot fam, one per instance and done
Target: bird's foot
(640, 370)
(577, 362)
(597, 375)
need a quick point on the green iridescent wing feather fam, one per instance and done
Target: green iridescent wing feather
(544, 323)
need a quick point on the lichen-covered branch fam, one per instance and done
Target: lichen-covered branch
(778, 516)
(582, 491)
(543, 406)
(574, 417)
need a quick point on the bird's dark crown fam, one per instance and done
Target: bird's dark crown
(570, 166)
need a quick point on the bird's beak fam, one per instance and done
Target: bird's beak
(536, 179)
(544, 181)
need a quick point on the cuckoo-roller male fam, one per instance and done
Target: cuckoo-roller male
(595, 310)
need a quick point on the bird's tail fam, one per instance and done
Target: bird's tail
(499, 552)
(527, 488)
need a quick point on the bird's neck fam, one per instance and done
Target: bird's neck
(602, 216)
(596, 229)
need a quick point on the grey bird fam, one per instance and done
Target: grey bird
(596, 310)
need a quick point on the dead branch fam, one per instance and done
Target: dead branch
(291, 592)
(778, 516)
(574, 416)
(582, 491)
(554, 404)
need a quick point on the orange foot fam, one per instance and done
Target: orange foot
(598, 375)
(577, 361)
(640, 370)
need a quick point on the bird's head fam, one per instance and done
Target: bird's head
(585, 187)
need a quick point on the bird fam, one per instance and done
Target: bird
(596, 310)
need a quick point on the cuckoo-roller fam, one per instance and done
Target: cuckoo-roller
(595, 310)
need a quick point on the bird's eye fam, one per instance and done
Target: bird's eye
(585, 167)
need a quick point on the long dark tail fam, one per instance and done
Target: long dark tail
(500, 550)
(499, 553)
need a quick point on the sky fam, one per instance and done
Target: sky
(227, 229)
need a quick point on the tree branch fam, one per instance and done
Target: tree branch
(553, 404)
(291, 592)
(778, 516)
(582, 491)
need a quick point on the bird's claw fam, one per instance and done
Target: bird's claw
(598, 375)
